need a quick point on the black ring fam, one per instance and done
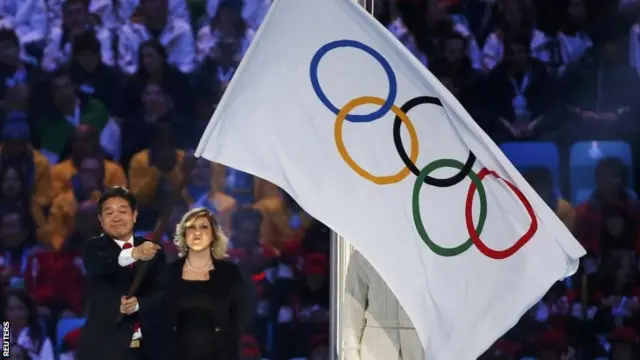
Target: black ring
(397, 140)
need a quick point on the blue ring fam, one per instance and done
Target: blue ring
(393, 85)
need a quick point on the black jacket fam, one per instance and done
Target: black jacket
(103, 337)
(228, 294)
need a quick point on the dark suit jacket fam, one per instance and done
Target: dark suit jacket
(103, 337)
(228, 295)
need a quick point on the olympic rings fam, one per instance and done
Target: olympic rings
(393, 84)
(415, 206)
(465, 169)
(380, 180)
(475, 236)
(397, 140)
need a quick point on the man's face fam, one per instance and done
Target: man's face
(62, 90)
(117, 218)
(85, 143)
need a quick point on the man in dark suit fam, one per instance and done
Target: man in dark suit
(111, 261)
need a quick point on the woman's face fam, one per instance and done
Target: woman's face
(11, 184)
(153, 96)
(151, 60)
(199, 234)
(16, 313)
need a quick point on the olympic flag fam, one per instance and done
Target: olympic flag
(328, 105)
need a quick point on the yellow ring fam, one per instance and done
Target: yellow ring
(380, 180)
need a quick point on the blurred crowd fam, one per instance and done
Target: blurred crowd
(98, 93)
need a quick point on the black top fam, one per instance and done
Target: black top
(196, 328)
(208, 315)
(103, 338)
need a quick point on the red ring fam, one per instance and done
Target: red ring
(468, 213)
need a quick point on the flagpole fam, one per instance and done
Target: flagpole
(336, 280)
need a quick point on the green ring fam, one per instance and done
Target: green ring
(415, 207)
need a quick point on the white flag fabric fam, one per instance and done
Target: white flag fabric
(333, 109)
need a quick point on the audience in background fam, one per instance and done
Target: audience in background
(96, 94)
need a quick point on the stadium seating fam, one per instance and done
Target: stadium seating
(528, 154)
(584, 157)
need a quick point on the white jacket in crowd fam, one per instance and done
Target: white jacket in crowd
(375, 326)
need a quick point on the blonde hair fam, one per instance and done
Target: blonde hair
(219, 243)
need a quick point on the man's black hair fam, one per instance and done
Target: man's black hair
(116, 192)
(613, 164)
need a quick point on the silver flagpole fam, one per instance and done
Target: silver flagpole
(336, 278)
(340, 253)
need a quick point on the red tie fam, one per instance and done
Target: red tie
(126, 246)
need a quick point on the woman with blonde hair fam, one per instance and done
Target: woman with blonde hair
(206, 292)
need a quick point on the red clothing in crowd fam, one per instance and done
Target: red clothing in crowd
(590, 223)
(56, 278)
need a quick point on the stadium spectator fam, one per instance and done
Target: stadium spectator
(174, 34)
(573, 40)
(27, 18)
(154, 69)
(84, 144)
(516, 20)
(76, 19)
(155, 172)
(71, 109)
(542, 182)
(609, 200)
(600, 93)
(86, 186)
(520, 96)
(26, 329)
(15, 71)
(16, 151)
(200, 189)
(18, 242)
(253, 11)
(284, 220)
(93, 77)
(227, 36)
